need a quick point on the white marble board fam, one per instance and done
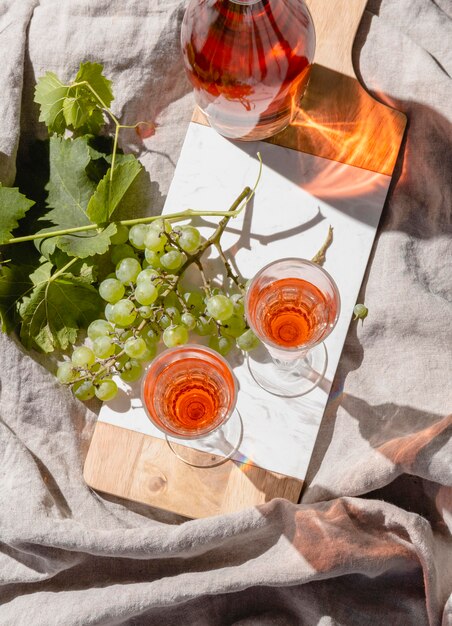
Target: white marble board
(298, 197)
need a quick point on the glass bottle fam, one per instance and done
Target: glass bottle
(249, 62)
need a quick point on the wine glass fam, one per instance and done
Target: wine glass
(190, 393)
(292, 305)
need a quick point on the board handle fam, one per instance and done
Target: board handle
(336, 24)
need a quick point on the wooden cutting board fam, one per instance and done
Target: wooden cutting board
(340, 122)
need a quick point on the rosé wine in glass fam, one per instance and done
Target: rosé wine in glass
(190, 393)
(292, 305)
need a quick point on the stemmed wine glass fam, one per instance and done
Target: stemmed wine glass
(190, 393)
(292, 305)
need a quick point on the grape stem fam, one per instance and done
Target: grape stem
(228, 267)
(320, 256)
(179, 216)
(236, 208)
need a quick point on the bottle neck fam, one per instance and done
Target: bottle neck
(245, 2)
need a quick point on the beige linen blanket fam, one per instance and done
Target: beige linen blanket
(370, 542)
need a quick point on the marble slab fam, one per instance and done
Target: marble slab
(298, 197)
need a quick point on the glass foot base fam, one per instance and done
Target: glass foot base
(288, 380)
(212, 450)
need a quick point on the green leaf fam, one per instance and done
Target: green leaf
(13, 206)
(85, 269)
(50, 93)
(55, 310)
(105, 200)
(69, 186)
(85, 244)
(70, 190)
(74, 106)
(15, 283)
(77, 111)
(92, 74)
(83, 107)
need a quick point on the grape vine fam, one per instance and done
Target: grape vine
(121, 280)
(145, 302)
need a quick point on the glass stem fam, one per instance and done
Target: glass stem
(284, 364)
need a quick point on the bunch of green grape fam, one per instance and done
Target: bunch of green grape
(146, 303)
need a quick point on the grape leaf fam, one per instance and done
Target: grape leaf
(55, 310)
(69, 186)
(15, 282)
(74, 106)
(82, 108)
(92, 74)
(103, 202)
(85, 244)
(77, 111)
(13, 206)
(50, 93)
(70, 190)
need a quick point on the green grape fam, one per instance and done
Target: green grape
(189, 239)
(188, 320)
(137, 235)
(237, 300)
(234, 326)
(223, 345)
(121, 361)
(247, 341)
(132, 371)
(146, 293)
(147, 275)
(99, 328)
(109, 312)
(175, 336)
(360, 312)
(149, 353)
(171, 300)
(121, 235)
(103, 347)
(124, 313)
(155, 240)
(135, 347)
(66, 373)
(194, 300)
(145, 312)
(106, 390)
(165, 321)
(111, 290)
(173, 313)
(84, 390)
(205, 327)
(127, 270)
(123, 251)
(220, 307)
(161, 225)
(83, 357)
(150, 335)
(153, 258)
(172, 260)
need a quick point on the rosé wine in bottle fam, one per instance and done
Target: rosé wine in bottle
(249, 62)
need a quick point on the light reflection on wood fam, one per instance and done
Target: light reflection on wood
(337, 119)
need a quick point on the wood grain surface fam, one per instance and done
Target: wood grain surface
(337, 120)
